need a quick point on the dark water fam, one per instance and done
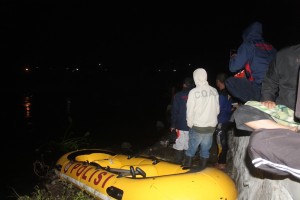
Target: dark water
(44, 108)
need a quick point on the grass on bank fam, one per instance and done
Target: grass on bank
(63, 191)
(51, 187)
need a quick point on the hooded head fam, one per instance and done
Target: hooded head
(200, 77)
(253, 32)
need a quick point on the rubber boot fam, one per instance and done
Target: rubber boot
(202, 163)
(187, 162)
(179, 156)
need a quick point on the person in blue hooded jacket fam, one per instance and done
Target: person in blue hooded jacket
(224, 124)
(250, 64)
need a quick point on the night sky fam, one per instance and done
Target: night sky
(84, 34)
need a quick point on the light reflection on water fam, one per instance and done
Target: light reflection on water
(38, 119)
(47, 117)
(27, 106)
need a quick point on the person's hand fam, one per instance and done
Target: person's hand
(269, 104)
(233, 55)
(235, 106)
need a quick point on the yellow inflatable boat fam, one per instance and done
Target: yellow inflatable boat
(107, 175)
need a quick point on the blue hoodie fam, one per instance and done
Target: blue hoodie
(254, 50)
(178, 115)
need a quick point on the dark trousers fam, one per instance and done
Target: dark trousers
(276, 151)
(221, 139)
(243, 89)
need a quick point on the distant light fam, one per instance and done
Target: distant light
(76, 69)
(190, 64)
(174, 70)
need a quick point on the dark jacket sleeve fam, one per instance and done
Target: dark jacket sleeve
(225, 108)
(175, 110)
(239, 61)
(270, 84)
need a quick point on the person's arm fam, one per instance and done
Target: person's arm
(189, 109)
(224, 104)
(174, 112)
(238, 62)
(268, 124)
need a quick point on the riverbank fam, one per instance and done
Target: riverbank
(51, 185)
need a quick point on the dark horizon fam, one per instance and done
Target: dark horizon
(77, 33)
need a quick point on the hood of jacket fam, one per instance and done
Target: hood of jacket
(200, 77)
(253, 32)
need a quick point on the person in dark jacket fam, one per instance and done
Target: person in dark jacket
(280, 83)
(250, 64)
(224, 123)
(178, 119)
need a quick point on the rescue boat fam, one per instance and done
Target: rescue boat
(108, 175)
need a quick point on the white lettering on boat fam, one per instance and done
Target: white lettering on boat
(80, 170)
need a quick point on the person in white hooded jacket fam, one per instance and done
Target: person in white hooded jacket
(202, 117)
